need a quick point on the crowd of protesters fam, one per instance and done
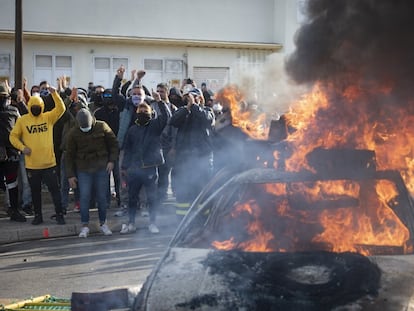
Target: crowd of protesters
(75, 139)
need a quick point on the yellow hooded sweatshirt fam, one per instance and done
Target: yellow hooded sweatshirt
(36, 133)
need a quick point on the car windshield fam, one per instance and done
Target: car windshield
(333, 215)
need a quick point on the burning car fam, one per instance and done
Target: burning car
(338, 236)
(313, 229)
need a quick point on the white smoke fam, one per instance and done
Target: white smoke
(268, 85)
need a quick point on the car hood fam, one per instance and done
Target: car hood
(199, 279)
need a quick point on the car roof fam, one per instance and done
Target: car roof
(266, 175)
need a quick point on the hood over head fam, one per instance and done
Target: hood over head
(83, 102)
(194, 91)
(175, 91)
(35, 100)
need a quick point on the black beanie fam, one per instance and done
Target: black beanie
(84, 118)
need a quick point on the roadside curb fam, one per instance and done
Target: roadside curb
(11, 231)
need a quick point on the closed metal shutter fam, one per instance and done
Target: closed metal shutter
(214, 77)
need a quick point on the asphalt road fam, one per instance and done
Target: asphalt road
(61, 266)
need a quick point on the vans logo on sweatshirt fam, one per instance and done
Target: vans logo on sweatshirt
(37, 128)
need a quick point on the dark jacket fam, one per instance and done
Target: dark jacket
(118, 97)
(125, 107)
(91, 151)
(8, 116)
(126, 119)
(109, 114)
(21, 106)
(142, 145)
(69, 119)
(194, 130)
(169, 133)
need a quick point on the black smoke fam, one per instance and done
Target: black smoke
(368, 42)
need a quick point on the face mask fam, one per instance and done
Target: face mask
(107, 102)
(143, 118)
(217, 108)
(44, 92)
(85, 129)
(97, 98)
(36, 110)
(136, 100)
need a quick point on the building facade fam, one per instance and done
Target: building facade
(210, 41)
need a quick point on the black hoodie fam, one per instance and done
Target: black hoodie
(8, 116)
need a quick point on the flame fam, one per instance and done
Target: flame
(358, 122)
(245, 115)
(327, 214)
(224, 245)
(346, 229)
(354, 117)
(259, 237)
(318, 123)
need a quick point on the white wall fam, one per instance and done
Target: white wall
(215, 58)
(262, 21)
(287, 19)
(232, 20)
(83, 54)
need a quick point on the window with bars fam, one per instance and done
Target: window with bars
(164, 65)
(167, 70)
(51, 67)
(105, 69)
(153, 64)
(5, 67)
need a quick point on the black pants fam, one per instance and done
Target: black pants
(138, 178)
(50, 177)
(163, 180)
(8, 172)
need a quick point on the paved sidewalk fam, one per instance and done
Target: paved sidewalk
(11, 231)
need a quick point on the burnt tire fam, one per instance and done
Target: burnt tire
(278, 281)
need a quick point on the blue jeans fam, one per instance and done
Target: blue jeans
(26, 193)
(86, 183)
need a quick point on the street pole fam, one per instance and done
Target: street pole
(18, 46)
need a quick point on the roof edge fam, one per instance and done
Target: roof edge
(273, 47)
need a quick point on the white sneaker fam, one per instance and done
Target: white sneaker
(130, 228)
(84, 232)
(105, 230)
(153, 228)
